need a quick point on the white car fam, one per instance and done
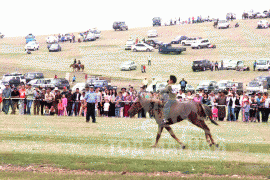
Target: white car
(128, 65)
(90, 37)
(222, 85)
(142, 47)
(95, 32)
(152, 33)
(159, 86)
(263, 24)
(223, 24)
(81, 87)
(32, 45)
(261, 15)
(201, 43)
(262, 64)
(43, 83)
(129, 44)
(52, 39)
(190, 40)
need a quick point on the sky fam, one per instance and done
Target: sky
(19, 18)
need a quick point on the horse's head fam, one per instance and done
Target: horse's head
(135, 108)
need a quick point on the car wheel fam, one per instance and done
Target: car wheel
(147, 50)
(34, 49)
(129, 69)
(183, 44)
(135, 50)
(199, 47)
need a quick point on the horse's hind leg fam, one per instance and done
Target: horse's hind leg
(169, 129)
(160, 129)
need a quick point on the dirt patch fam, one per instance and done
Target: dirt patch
(50, 169)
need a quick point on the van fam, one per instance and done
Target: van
(262, 64)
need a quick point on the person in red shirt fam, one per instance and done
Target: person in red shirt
(22, 92)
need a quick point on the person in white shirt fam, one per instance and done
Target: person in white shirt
(180, 93)
(231, 105)
(145, 82)
(106, 108)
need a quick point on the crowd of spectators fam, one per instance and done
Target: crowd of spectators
(110, 103)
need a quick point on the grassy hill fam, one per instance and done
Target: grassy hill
(104, 55)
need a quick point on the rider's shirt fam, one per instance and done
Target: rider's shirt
(169, 91)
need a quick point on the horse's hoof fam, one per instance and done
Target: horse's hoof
(210, 145)
(217, 145)
(153, 146)
(183, 147)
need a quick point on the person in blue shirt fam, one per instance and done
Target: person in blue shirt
(183, 85)
(91, 100)
(6, 94)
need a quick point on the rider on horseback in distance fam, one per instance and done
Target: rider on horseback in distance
(75, 61)
(171, 98)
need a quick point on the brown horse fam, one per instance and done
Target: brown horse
(195, 112)
(76, 67)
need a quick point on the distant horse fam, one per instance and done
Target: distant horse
(215, 24)
(77, 67)
(195, 112)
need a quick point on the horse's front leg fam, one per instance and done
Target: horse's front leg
(169, 129)
(160, 129)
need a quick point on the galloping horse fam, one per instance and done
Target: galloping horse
(76, 67)
(195, 112)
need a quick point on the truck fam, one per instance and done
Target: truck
(257, 87)
(262, 64)
(167, 48)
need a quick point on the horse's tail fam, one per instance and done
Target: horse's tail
(208, 112)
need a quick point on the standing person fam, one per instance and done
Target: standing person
(6, 94)
(212, 65)
(183, 84)
(64, 92)
(64, 102)
(145, 82)
(253, 109)
(69, 102)
(73, 38)
(260, 102)
(215, 112)
(205, 100)
(30, 97)
(57, 97)
(154, 82)
(231, 106)
(265, 113)
(149, 60)
(42, 101)
(221, 65)
(221, 101)
(76, 100)
(60, 108)
(22, 92)
(197, 98)
(91, 100)
(36, 101)
(144, 68)
(172, 98)
(49, 97)
(246, 108)
(216, 66)
(106, 108)
(237, 107)
(118, 103)
(73, 79)
(254, 65)
(15, 94)
(127, 105)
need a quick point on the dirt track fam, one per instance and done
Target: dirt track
(49, 169)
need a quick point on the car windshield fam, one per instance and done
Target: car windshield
(222, 84)
(54, 45)
(30, 76)
(126, 63)
(54, 81)
(204, 83)
(100, 83)
(253, 84)
(261, 62)
(197, 62)
(222, 21)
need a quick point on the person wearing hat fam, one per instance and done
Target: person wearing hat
(91, 99)
(30, 97)
(171, 97)
(6, 94)
(14, 94)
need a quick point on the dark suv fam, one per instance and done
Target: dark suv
(120, 26)
(201, 65)
(60, 83)
(33, 75)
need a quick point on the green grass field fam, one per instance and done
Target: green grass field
(124, 145)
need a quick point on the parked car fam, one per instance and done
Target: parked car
(81, 87)
(159, 86)
(42, 83)
(120, 26)
(152, 33)
(30, 37)
(223, 24)
(178, 39)
(201, 43)
(13, 80)
(207, 86)
(96, 32)
(55, 47)
(168, 48)
(238, 86)
(234, 64)
(263, 24)
(129, 44)
(223, 84)
(262, 64)
(241, 67)
(128, 65)
(177, 87)
(33, 75)
(156, 21)
(51, 39)
(201, 65)
(261, 15)
(32, 45)
(102, 84)
(154, 43)
(257, 87)
(60, 83)
(264, 78)
(189, 41)
(142, 47)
